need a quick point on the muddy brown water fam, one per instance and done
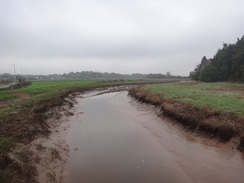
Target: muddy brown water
(117, 139)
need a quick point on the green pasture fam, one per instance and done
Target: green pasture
(226, 97)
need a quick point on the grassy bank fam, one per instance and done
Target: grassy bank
(212, 109)
(225, 97)
(23, 117)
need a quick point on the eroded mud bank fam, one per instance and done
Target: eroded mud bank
(204, 121)
(19, 166)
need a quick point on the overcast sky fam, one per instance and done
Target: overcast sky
(123, 36)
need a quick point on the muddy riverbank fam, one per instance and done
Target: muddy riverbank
(205, 121)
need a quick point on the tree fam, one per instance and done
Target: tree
(227, 64)
(210, 73)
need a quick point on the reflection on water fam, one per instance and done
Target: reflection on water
(118, 140)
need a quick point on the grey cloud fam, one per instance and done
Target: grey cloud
(135, 34)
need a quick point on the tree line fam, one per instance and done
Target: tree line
(106, 75)
(226, 65)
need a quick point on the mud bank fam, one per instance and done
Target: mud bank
(23, 128)
(204, 121)
(40, 152)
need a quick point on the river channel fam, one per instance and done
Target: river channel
(118, 140)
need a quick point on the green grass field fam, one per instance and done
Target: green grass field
(226, 97)
(39, 87)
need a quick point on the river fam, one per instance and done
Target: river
(118, 140)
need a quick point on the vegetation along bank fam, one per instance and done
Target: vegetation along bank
(214, 110)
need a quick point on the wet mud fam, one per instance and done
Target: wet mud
(117, 139)
(23, 128)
